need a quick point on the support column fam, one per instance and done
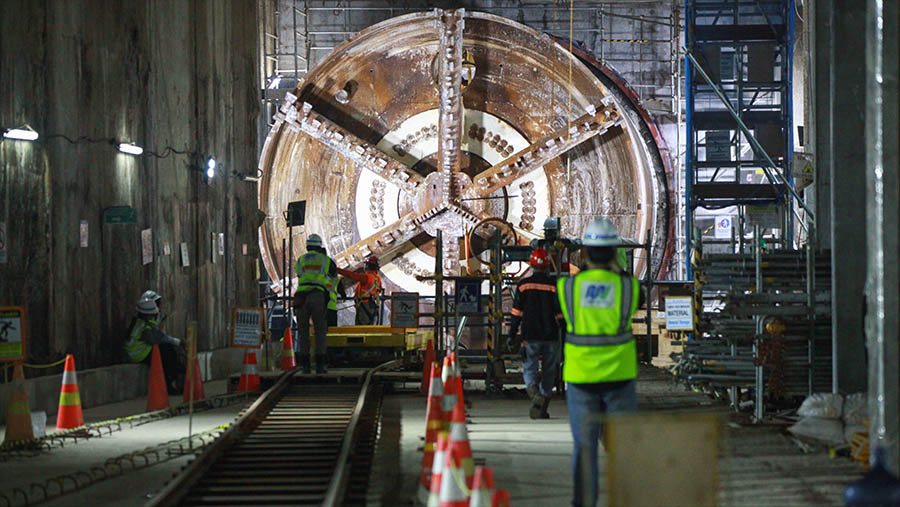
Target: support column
(841, 156)
(882, 227)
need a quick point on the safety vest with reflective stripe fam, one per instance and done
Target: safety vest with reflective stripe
(312, 272)
(332, 296)
(370, 290)
(598, 306)
(136, 348)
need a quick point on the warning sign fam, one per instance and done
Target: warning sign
(405, 309)
(723, 226)
(680, 313)
(247, 327)
(468, 295)
(12, 333)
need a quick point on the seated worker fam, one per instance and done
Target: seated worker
(536, 308)
(368, 290)
(145, 333)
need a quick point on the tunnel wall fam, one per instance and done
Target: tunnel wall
(178, 73)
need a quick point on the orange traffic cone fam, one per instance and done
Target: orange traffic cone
(500, 498)
(197, 383)
(482, 487)
(437, 470)
(18, 410)
(449, 399)
(434, 424)
(288, 362)
(461, 399)
(158, 395)
(459, 439)
(454, 493)
(69, 415)
(250, 376)
(426, 369)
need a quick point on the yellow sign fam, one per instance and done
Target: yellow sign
(12, 333)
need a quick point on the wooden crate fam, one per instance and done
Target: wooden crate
(663, 458)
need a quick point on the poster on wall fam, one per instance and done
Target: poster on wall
(146, 246)
(2, 243)
(12, 333)
(83, 230)
(185, 258)
(247, 326)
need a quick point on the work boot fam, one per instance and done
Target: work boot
(536, 404)
(544, 414)
(321, 364)
(532, 390)
(303, 360)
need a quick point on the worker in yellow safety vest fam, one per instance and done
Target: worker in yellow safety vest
(316, 275)
(145, 333)
(600, 355)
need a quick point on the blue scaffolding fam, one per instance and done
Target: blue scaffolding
(738, 153)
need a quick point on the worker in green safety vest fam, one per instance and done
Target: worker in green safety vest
(316, 276)
(600, 355)
(145, 333)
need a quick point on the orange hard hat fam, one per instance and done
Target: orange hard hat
(539, 258)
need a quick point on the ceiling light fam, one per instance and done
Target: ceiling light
(21, 134)
(131, 149)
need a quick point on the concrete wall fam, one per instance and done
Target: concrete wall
(180, 74)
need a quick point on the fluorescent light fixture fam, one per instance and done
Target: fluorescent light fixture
(131, 149)
(210, 167)
(22, 134)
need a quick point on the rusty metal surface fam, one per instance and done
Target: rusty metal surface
(361, 140)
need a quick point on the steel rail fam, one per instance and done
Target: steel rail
(176, 490)
(338, 485)
(263, 412)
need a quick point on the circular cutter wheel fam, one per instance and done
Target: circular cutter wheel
(440, 120)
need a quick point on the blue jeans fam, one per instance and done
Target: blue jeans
(586, 400)
(546, 355)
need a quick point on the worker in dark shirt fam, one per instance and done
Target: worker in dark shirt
(536, 309)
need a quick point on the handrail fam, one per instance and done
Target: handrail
(334, 495)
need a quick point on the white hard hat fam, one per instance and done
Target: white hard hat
(147, 306)
(600, 232)
(313, 240)
(151, 295)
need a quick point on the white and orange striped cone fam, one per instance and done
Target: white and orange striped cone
(459, 439)
(18, 410)
(426, 369)
(482, 487)
(437, 470)
(250, 376)
(69, 415)
(448, 380)
(500, 499)
(288, 361)
(454, 491)
(434, 421)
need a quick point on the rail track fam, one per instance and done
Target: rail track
(297, 444)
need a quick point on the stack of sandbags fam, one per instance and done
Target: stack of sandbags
(831, 418)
